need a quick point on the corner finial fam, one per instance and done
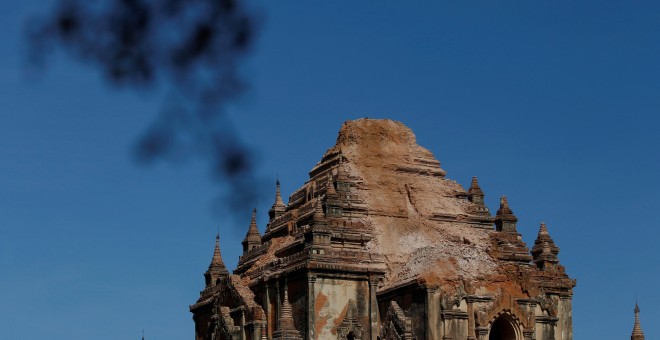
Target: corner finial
(278, 207)
(637, 333)
(217, 267)
(330, 186)
(505, 220)
(475, 182)
(253, 236)
(278, 194)
(476, 196)
(545, 251)
(318, 215)
(287, 328)
(504, 203)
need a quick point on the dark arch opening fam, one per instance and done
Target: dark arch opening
(502, 329)
(350, 336)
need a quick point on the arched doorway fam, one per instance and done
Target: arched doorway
(502, 329)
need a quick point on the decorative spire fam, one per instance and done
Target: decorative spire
(545, 250)
(637, 333)
(286, 319)
(278, 194)
(253, 237)
(216, 261)
(278, 207)
(476, 196)
(475, 190)
(318, 211)
(330, 187)
(217, 268)
(287, 328)
(505, 220)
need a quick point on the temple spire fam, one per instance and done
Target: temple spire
(278, 194)
(253, 237)
(545, 250)
(217, 268)
(476, 196)
(505, 220)
(637, 333)
(278, 207)
(286, 319)
(287, 328)
(330, 188)
(319, 215)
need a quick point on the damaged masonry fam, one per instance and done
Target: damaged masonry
(378, 244)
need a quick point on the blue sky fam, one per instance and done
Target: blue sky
(554, 104)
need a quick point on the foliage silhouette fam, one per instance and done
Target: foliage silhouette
(192, 47)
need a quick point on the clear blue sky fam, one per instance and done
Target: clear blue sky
(553, 103)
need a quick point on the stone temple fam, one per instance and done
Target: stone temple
(379, 244)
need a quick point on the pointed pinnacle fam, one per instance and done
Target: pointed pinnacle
(318, 210)
(216, 250)
(637, 329)
(475, 183)
(286, 306)
(504, 212)
(475, 190)
(504, 203)
(216, 262)
(286, 319)
(330, 187)
(278, 195)
(253, 229)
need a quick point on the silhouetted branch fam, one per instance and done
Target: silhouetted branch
(194, 47)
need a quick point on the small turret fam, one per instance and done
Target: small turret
(286, 319)
(287, 328)
(476, 196)
(637, 333)
(217, 269)
(253, 237)
(544, 251)
(278, 207)
(505, 220)
(319, 215)
(330, 191)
